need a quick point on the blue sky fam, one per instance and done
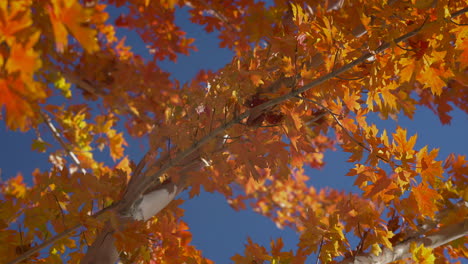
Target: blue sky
(219, 231)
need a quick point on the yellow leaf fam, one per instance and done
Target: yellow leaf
(169, 4)
(298, 13)
(64, 87)
(422, 254)
(429, 169)
(124, 165)
(376, 250)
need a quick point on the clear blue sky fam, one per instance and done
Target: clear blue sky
(219, 231)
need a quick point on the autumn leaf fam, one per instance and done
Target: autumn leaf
(256, 79)
(16, 187)
(429, 169)
(24, 59)
(14, 17)
(408, 69)
(328, 72)
(422, 254)
(298, 14)
(404, 147)
(18, 111)
(116, 143)
(72, 16)
(352, 101)
(427, 200)
(431, 77)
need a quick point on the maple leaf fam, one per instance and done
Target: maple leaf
(14, 17)
(384, 189)
(426, 199)
(419, 47)
(429, 169)
(404, 147)
(24, 59)
(388, 97)
(431, 77)
(352, 101)
(422, 254)
(69, 14)
(408, 69)
(16, 187)
(18, 111)
(116, 143)
(284, 50)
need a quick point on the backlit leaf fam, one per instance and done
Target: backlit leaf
(426, 199)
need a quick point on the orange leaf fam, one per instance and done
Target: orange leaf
(71, 15)
(352, 101)
(256, 79)
(404, 147)
(429, 169)
(116, 143)
(430, 77)
(24, 59)
(426, 199)
(18, 111)
(13, 18)
(408, 69)
(16, 187)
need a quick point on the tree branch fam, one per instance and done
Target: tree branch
(128, 202)
(103, 250)
(359, 143)
(142, 186)
(401, 251)
(59, 138)
(56, 238)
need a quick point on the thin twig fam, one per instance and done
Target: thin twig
(56, 238)
(459, 12)
(319, 251)
(458, 24)
(350, 79)
(219, 16)
(59, 138)
(61, 209)
(342, 127)
(398, 45)
(88, 87)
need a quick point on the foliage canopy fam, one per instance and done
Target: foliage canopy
(305, 77)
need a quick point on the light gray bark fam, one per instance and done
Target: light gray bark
(402, 251)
